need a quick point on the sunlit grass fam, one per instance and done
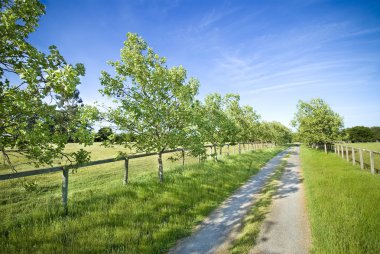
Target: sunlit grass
(342, 203)
(107, 217)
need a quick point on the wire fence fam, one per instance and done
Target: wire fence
(131, 166)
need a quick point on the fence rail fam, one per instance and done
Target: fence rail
(365, 158)
(65, 169)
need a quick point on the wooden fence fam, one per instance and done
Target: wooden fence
(126, 159)
(363, 157)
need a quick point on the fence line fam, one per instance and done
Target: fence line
(65, 169)
(349, 154)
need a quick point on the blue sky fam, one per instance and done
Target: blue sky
(272, 53)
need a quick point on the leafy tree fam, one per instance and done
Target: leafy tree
(376, 132)
(316, 122)
(360, 134)
(245, 119)
(216, 126)
(34, 89)
(280, 134)
(155, 102)
(103, 134)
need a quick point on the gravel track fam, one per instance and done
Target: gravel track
(215, 229)
(286, 228)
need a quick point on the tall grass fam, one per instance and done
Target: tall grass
(107, 217)
(343, 204)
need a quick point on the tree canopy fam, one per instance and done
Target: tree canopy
(360, 134)
(316, 122)
(155, 103)
(36, 88)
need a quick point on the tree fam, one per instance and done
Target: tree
(317, 123)
(33, 86)
(280, 134)
(103, 134)
(360, 134)
(155, 102)
(216, 126)
(376, 132)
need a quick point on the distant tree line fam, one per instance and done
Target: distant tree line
(362, 134)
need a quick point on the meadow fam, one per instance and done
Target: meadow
(341, 203)
(374, 146)
(141, 217)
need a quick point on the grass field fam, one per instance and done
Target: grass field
(374, 146)
(342, 204)
(99, 152)
(107, 217)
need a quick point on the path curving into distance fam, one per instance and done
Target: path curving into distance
(286, 228)
(216, 228)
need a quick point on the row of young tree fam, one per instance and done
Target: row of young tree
(41, 110)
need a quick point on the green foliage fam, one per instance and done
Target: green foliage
(38, 96)
(376, 132)
(103, 134)
(360, 134)
(317, 122)
(275, 132)
(216, 126)
(245, 119)
(155, 103)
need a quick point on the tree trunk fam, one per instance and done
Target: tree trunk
(126, 161)
(65, 189)
(220, 150)
(183, 157)
(325, 148)
(160, 168)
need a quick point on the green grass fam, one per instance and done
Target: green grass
(374, 146)
(342, 203)
(248, 233)
(107, 217)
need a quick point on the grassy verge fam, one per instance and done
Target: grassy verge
(342, 203)
(107, 217)
(248, 233)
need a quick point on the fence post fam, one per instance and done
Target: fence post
(353, 156)
(342, 149)
(372, 162)
(126, 169)
(239, 147)
(228, 149)
(337, 149)
(361, 158)
(65, 188)
(347, 158)
(325, 148)
(334, 149)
